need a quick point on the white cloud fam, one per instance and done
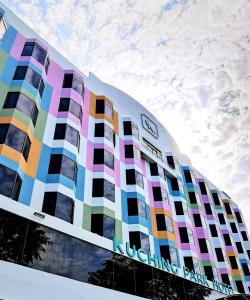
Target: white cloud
(188, 63)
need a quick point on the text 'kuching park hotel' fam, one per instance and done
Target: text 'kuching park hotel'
(96, 200)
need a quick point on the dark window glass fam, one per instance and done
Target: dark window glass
(134, 177)
(78, 85)
(225, 279)
(188, 261)
(64, 104)
(240, 286)
(179, 208)
(157, 193)
(245, 269)
(228, 208)
(100, 106)
(102, 130)
(136, 207)
(170, 161)
(239, 247)
(221, 218)
(188, 177)
(216, 198)
(169, 253)
(203, 188)
(227, 239)
(183, 235)
(213, 230)
(197, 220)
(209, 272)
(11, 100)
(129, 128)
(238, 217)
(60, 131)
(219, 254)
(65, 131)
(244, 235)
(47, 63)
(192, 197)
(28, 49)
(203, 245)
(102, 156)
(139, 240)
(103, 225)
(129, 152)
(10, 183)
(62, 164)
(33, 78)
(234, 227)
(67, 104)
(20, 72)
(99, 130)
(208, 208)
(67, 80)
(41, 88)
(15, 138)
(154, 169)
(160, 221)
(103, 188)
(174, 184)
(58, 205)
(233, 262)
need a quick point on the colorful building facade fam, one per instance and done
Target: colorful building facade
(95, 196)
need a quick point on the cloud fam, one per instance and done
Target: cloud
(186, 61)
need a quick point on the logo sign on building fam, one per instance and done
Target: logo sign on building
(149, 125)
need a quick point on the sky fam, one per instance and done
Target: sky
(187, 61)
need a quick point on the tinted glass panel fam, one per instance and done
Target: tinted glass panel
(77, 85)
(227, 239)
(160, 221)
(98, 187)
(75, 109)
(197, 220)
(221, 219)
(109, 159)
(127, 129)
(60, 131)
(55, 164)
(239, 247)
(188, 177)
(39, 54)
(203, 188)
(208, 208)
(238, 217)
(100, 106)
(219, 254)
(20, 72)
(64, 104)
(233, 262)
(67, 81)
(68, 168)
(183, 235)
(174, 184)
(108, 227)
(109, 190)
(234, 227)
(10, 183)
(15, 138)
(49, 203)
(203, 245)
(192, 197)
(64, 208)
(11, 100)
(213, 230)
(178, 208)
(170, 160)
(99, 130)
(216, 198)
(72, 136)
(130, 176)
(129, 152)
(28, 49)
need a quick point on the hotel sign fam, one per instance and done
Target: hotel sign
(164, 264)
(149, 125)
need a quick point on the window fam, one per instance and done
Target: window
(70, 134)
(180, 208)
(103, 107)
(159, 194)
(72, 81)
(174, 184)
(227, 239)
(228, 208)
(136, 207)
(244, 235)
(67, 104)
(58, 205)
(31, 76)
(139, 240)
(213, 230)
(103, 130)
(216, 198)
(3, 26)
(36, 51)
(170, 161)
(103, 225)
(134, 177)
(221, 219)
(183, 234)
(15, 138)
(156, 170)
(219, 254)
(129, 128)
(203, 188)
(245, 269)
(209, 272)
(233, 227)
(233, 262)
(225, 279)
(102, 156)
(240, 286)
(192, 197)
(169, 253)
(156, 152)
(103, 188)
(164, 223)
(192, 263)
(208, 208)
(61, 164)
(203, 245)
(238, 217)
(132, 152)
(23, 104)
(239, 247)
(188, 177)
(10, 183)
(197, 220)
